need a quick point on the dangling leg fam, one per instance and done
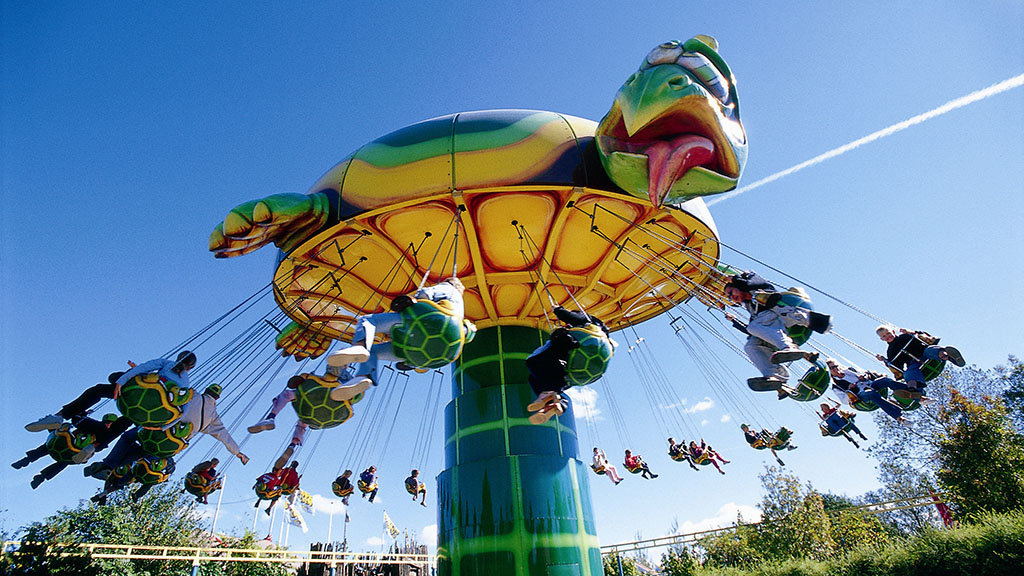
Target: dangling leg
(276, 405)
(86, 400)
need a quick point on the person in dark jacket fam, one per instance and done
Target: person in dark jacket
(103, 432)
(910, 349)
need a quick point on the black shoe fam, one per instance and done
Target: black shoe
(21, 463)
(654, 475)
(954, 356)
(36, 481)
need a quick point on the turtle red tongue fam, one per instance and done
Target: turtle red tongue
(668, 160)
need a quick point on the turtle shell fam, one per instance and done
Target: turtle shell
(150, 402)
(162, 443)
(62, 444)
(430, 335)
(588, 362)
(198, 485)
(366, 488)
(152, 470)
(267, 487)
(339, 492)
(797, 298)
(314, 406)
(813, 383)
(539, 169)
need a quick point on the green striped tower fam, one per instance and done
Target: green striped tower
(514, 498)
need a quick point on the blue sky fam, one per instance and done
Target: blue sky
(129, 131)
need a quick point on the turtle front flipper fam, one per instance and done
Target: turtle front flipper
(282, 219)
(302, 341)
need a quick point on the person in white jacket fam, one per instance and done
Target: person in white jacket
(201, 412)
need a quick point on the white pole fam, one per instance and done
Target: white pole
(286, 518)
(330, 524)
(280, 533)
(216, 513)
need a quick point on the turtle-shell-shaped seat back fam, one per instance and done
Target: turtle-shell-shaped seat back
(342, 492)
(151, 402)
(152, 470)
(588, 362)
(314, 406)
(198, 485)
(703, 460)
(780, 439)
(600, 471)
(932, 368)
(431, 334)
(866, 405)
(62, 444)
(366, 488)
(908, 404)
(288, 489)
(813, 383)
(415, 490)
(678, 456)
(266, 487)
(835, 425)
(797, 297)
(634, 469)
(163, 443)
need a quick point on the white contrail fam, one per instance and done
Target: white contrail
(992, 90)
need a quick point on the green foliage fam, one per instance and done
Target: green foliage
(163, 517)
(611, 565)
(678, 561)
(794, 523)
(981, 456)
(737, 548)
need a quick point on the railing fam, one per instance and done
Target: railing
(194, 555)
(693, 537)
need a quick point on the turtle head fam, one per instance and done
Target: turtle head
(674, 131)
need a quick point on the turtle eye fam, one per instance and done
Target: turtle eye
(708, 74)
(666, 53)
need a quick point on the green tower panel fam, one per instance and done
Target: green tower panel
(514, 498)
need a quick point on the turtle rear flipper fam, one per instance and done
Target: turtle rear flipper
(302, 341)
(286, 220)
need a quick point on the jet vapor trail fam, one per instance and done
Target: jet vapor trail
(982, 94)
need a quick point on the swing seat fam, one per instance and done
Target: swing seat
(678, 456)
(152, 402)
(907, 404)
(163, 443)
(702, 460)
(366, 488)
(589, 361)
(813, 383)
(288, 489)
(197, 484)
(62, 444)
(415, 491)
(634, 469)
(829, 429)
(431, 334)
(314, 406)
(342, 492)
(797, 298)
(599, 470)
(865, 405)
(266, 487)
(152, 470)
(780, 439)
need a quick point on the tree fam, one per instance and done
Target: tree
(908, 456)
(981, 456)
(163, 517)
(611, 565)
(678, 562)
(736, 548)
(794, 523)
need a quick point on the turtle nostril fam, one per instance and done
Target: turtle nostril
(679, 82)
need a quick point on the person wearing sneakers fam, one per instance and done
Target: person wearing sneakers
(368, 478)
(103, 431)
(415, 487)
(287, 477)
(369, 355)
(637, 463)
(200, 412)
(351, 388)
(547, 364)
(601, 463)
(910, 349)
(768, 345)
(852, 385)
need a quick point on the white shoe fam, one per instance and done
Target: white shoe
(265, 424)
(50, 422)
(543, 399)
(347, 356)
(84, 454)
(350, 389)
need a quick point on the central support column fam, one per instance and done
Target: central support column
(514, 498)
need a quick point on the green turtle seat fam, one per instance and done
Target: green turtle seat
(162, 443)
(341, 492)
(588, 362)
(813, 383)
(152, 470)
(150, 401)
(315, 407)
(431, 334)
(62, 444)
(198, 485)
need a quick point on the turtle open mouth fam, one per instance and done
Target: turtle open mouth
(686, 136)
